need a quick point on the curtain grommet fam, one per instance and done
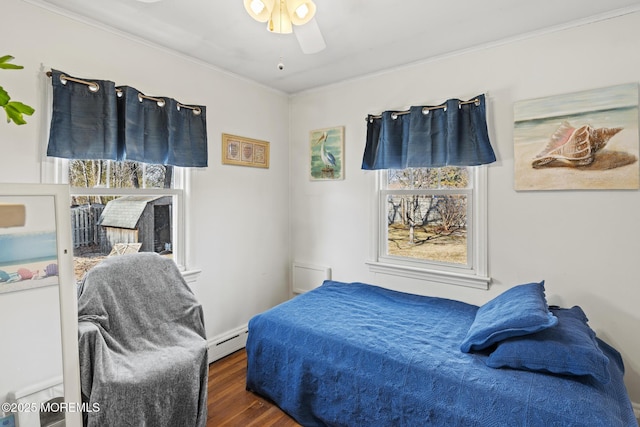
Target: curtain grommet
(93, 86)
(394, 116)
(195, 110)
(161, 102)
(425, 111)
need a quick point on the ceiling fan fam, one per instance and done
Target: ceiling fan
(282, 15)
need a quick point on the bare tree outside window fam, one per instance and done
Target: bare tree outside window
(427, 211)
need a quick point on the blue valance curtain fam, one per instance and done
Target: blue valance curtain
(451, 134)
(94, 119)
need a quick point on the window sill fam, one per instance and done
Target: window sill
(191, 276)
(446, 277)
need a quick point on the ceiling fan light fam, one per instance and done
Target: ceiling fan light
(302, 11)
(260, 10)
(281, 15)
(257, 6)
(280, 21)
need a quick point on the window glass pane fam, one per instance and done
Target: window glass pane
(427, 227)
(115, 224)
(428, 178)
(124, 224)
(454, 177)
(110, 174)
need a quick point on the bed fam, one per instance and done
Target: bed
(353, 354)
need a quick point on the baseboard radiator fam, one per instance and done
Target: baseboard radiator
(47, 392)
(308, 276)
(227, 343)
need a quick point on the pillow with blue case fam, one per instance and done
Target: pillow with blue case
(518, 311)
(569, 348)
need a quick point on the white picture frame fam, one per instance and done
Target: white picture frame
(55, 199)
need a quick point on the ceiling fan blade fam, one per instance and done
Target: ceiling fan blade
(309, 37)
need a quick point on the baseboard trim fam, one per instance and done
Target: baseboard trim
(226, 343)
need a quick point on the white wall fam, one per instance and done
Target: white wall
(237, 216)
(585, 244)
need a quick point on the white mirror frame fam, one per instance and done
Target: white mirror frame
(67, 291)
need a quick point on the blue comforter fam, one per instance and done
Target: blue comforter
(360, 355)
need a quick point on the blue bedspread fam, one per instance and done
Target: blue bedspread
(360, 355)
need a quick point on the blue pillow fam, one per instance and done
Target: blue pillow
(569, 348)
(518, 311)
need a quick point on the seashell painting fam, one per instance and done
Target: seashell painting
(578, 141)
(576, 147)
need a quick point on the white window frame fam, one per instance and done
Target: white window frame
(56, 171)
(474, 274)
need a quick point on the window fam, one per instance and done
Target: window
(432, 224)
(121, 207)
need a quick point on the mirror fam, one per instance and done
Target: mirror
(36, 258)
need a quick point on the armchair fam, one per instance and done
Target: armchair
(142, 344)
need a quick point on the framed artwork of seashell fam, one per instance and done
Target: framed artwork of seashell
(241, 151)
(578, 141)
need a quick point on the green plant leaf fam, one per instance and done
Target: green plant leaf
(15, 111)
(22, 108)
(4, 97)
(4, 63)
(15, 116)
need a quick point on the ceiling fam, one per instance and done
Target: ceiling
(362, 36)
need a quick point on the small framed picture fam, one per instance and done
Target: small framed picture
(241, 151)
(326, 154)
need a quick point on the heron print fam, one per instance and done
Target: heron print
(327, 154)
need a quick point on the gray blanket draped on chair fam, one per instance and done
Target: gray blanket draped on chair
(143, 353)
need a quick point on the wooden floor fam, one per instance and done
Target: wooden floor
(229, 404)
